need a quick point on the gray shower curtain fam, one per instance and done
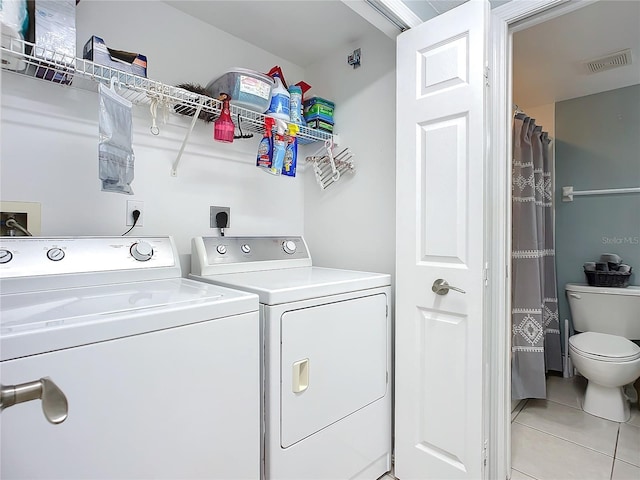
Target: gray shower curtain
(535, 346)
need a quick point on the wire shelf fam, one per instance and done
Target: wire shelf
(40, 62)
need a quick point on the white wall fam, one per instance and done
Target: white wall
(49, 139)
(351, 224)
(49, 145)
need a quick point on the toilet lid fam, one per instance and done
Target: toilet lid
(605, 347)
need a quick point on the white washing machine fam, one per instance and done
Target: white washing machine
(327, 356)
(115, 367)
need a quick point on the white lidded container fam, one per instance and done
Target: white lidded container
(247, 88)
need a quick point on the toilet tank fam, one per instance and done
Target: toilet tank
(615, 311)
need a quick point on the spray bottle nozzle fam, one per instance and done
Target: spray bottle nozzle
(281, 126)
(292, 129)
(268, 125)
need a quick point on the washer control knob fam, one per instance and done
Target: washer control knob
(289, 247)
(141, 251)
(222, 249)
(5, 256)
(245, 248)
(55, 254)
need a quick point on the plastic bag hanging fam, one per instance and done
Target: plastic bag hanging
(115, 150)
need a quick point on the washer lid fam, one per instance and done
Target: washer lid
(37, 322)
(605, 347)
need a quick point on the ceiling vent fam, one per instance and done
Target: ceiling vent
(618, 59)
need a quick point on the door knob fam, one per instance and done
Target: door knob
(54, 403)
(441, 287)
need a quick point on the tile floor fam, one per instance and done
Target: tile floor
(554, 439)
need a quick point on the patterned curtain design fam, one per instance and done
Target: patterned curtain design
(535, 346)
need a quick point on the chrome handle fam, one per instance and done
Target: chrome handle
(54, 403)
(441, 287)
(575, 295)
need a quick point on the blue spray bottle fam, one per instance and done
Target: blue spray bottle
(279, 148)
(291, 151)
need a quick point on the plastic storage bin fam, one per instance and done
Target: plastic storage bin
(318, 112)
(319, 105)
(247, 89)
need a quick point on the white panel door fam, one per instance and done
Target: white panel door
(334, 362)
(440, 212)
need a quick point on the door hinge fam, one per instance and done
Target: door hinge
(486, 76)
(387, 311)
(486, 274)
(485, 453)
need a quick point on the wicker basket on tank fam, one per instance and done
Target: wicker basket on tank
(608, 279)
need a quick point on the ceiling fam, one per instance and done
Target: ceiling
(299, 31)
(547, 58)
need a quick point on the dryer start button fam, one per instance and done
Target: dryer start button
(289, 247)
(55, 254)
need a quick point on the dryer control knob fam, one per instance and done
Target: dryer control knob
(245, 248)
(55, 254)
(289, 247)
(5, 256)
(141, 251)
(221, 249)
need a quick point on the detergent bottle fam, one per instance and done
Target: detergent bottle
(280, 106)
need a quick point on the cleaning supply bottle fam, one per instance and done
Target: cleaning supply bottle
(280, 101)
(223, 127)
(295, 94)
(291, 152)
(279, 148)
(265, 147)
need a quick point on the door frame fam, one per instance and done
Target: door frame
(505, 20)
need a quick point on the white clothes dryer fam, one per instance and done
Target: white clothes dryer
(113, 366)
(327, 356)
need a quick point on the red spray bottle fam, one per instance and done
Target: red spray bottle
(223, 127)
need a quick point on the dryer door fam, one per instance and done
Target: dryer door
(333, 362)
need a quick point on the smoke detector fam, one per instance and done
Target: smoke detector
(614, 60)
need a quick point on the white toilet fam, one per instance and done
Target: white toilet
(604, 353)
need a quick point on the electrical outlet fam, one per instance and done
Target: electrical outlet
(135, 205)
(214, 211)
(26, 214)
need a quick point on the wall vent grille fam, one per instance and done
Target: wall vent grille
(614, 60)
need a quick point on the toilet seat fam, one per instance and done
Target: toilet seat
(604, 347)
